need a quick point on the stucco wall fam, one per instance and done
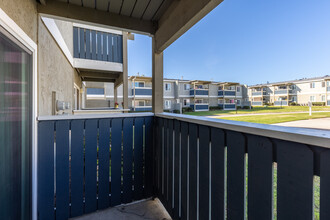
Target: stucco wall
(66, 29)
(24, 13)
(55, 73)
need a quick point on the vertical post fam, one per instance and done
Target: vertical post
(125, 72)
(115, 95)
(157, 79)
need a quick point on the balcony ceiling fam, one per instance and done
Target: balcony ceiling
(166, 20)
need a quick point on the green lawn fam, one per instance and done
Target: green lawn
(270, 109)
(279, 118)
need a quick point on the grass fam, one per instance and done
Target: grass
(269, 109)
(272, 119)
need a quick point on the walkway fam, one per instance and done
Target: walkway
(266, 113)
(141, 210)
(321, 123)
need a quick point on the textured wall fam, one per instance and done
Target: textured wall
(55, 73)
(24, 13)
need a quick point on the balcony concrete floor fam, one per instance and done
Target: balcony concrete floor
(145, 209)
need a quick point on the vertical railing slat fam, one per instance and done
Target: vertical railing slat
(75, 43)
(294, 181)
(110, 49)
(99, 45)
(235, 175)
(77, 168)
(170, 166)
(88, 44)
(90, 165)
(193, 134)
(184, 170)
(176, 186)
(260, 177)
(46, 170)
(138, 158)
(120, 49)
(115, 49)
(325, 185)
(127, 160)
(159, 156)
(62, 170)
(204, 171)
(82, 43)
(105, 46)
(217, 173)
(165, 164)
(116, 140)
(149, 157)
(104, 153)
(94, 45)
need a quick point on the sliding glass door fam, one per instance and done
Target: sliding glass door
(15, 128)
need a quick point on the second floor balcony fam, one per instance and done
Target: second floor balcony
(142, 91)
(224, 93)
(199, 92)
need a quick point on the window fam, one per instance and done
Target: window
(323, 84)
(220, 101)
(238, 89)
(139, 103)
(186, 102)
(328, 83)
(138, 84)
(167, 104)
(167, 86)
(198, 101)
(312, 98)
(238, 102)
(186, 86)
(312, 85)
(323, 98)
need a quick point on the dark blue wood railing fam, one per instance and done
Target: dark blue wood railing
(90, 164)
(209, 170)
(96, 45)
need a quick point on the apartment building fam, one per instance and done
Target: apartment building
(288, 92)
(197, 94)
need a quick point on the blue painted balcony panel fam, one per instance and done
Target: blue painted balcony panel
(226, 93)
(256, 103)
(280, 103)
(198, 92)
(142, 91)
(200, 107)
(281, 92)
(142, 109)
(256, 93)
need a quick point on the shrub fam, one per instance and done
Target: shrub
(246, 107)
(187, 109)
(293, 104)
(166, 110)
(318, 103)
(215, 108)
(176, 111)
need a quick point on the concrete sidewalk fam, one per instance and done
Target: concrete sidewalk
(267, 113)
(140, 210)
(320, 123)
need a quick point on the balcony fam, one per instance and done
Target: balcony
(142, 108)
(200, 106)
(90, 165)
(227, 106)
(281, 103)
(257, 103)
(224, 93)
(281, 92)
(142, 91)
(199, 92)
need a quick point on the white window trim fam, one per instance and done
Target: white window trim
(168, 106)
(170, 87)
(144, 84)
(9, 25)
(184, 86)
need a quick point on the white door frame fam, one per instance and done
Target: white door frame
(11, 27)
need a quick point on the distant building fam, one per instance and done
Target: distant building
(197, 94)
(288, 92)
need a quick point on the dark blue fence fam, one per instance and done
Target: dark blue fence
(226, 93)
(142, 91)
(207, 172)
(96, 45)
(199, 92)
(91, 164)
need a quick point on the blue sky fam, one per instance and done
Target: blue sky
(249, 41)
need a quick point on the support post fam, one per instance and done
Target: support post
(125, 72)
(115, 95)
(157, 79)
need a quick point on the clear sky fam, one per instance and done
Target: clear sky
(248, 41)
